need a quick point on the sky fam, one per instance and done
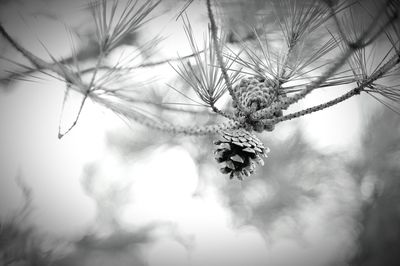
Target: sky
(159, 184)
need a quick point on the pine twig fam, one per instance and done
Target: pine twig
(316, 108)
(163, 126)
(62, 134)
(395, 60)
(161, 105)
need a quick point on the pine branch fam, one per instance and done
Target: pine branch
(121, 109)
(165, 106)
(319, 107)
(277, 106)
(395, 60)
(161, 105)
(359, 43)
(133, 115)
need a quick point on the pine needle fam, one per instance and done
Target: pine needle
(113, 25)
(300, 18)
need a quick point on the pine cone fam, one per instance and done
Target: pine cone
(255, 94)
(238, 152)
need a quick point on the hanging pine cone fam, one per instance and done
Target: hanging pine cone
(238, 152)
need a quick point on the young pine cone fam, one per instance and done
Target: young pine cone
(254, 94)
(238, 152)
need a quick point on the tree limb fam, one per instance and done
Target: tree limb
(79, 86)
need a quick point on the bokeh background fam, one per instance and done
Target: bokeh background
(112, 192)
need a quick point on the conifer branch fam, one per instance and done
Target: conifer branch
(316, 108)
(161, 105)
(118, 108)
(395, 60)
(359, 43)
(123, 110)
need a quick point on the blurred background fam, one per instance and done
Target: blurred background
(112, 192)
